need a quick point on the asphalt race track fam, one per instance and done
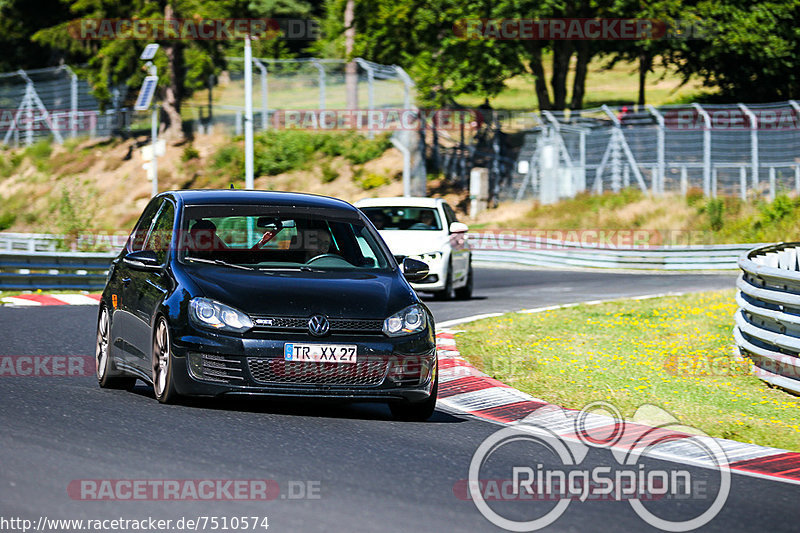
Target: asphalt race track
(365, 471)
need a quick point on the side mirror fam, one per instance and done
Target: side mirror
(458, 227)
(142, 260)
(415, 270)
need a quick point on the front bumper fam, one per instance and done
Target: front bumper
(387, 369)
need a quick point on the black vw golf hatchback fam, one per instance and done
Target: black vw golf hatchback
(231, 292)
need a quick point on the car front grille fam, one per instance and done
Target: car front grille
(338, 325)
(270, 371)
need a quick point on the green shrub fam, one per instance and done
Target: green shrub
(75, 210)
(362, 150)
(189, 152)
(694, 196)
(715, 209)
(372, 181)
(39, 154)
(781, 207)
(328, 173)
(281, 151)
(7, 220)
(229, 158)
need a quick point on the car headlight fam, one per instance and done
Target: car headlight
(212, 314)
(409, 320)
(429, 258)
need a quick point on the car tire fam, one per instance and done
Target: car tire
(162, 363)
(419, 411)
(102, 356)
(447, 293)
(465, 292)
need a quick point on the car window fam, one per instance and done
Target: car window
(280, 237)
(161, 233)
(137, 237)
(404, 218)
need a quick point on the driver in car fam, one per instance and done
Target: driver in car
(319, 243)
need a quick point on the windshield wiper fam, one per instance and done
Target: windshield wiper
(302, 268)
(218, 262)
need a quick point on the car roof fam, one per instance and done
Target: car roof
(240, 196)
(398, 201)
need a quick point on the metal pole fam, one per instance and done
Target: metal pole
(321, 70)
(408, 83)
(772, 183)
(29, 113)
(248, 113)
(797, 178)
(153, 142)
(73, 99)
(660, 176)
(743, 183)
(406, 165)
(581, 182)
(370, 89)
(706, 149)
(153, 135)
(264, 93)
(753, 142)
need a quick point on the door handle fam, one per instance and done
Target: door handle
(126, 281)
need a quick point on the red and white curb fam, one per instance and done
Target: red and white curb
(37, 299)
(466, 390)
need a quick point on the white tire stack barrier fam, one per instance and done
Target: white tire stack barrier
(767, 329)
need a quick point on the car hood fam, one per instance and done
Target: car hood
(414, 242)
(335, 294)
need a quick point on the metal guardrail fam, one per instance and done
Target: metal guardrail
(54, 270)
(28, 242)
(767, 329)
(550, 253)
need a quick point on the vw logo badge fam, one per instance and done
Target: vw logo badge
(318, 325)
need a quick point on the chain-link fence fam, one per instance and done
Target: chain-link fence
(732, 149)
(297, 85)
(54, 103)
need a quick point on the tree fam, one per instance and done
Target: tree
(19, 19)
(750, 50)
(185, 64)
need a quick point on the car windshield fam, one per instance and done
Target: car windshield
(278, 238)
(404, 218)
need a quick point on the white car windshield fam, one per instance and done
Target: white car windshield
(404, 218)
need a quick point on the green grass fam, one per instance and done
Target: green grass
(672, 352)
(616, 86)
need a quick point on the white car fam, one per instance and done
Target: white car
(426, 229)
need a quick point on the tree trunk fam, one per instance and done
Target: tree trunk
(645, 64)
(562, 52)
(581, 69)
(351, 69)
(540, 83)
(174, 91)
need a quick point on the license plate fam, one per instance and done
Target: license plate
(320, 353)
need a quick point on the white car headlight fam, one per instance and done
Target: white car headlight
(409, 320)
(212, 314)
(429, 258)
